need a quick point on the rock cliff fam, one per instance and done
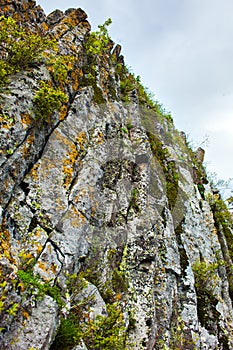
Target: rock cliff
(111, 237)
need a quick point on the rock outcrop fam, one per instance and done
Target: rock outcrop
(111, 237)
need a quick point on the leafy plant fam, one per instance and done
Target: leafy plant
(59, 67)
(68, 335)
(206, 279)
(96, 46)
(19, 48)
(224, 225)
(103, 333)
(32, 284)
(205, 274)
(98, 41)
(47, 100)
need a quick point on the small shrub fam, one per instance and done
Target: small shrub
(103, 333)
(59, 67)
(18, 48)
(98, 41)
(47, 100)
(33, 285)
(206, 278)
(68, 335)
(205, 274)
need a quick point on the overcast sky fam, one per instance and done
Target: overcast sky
(183, 51)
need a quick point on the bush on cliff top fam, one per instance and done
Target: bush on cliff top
(18, 48)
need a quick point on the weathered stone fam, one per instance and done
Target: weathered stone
(38, 330)
(88, 197)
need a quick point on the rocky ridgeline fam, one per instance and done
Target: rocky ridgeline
(111, 237)
(25, 11)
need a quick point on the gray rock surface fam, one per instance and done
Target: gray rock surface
(102, 205)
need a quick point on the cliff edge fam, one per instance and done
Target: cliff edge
(111, 237)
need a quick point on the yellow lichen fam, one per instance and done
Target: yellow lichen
(82, 140)
(60, 30)
(44, 27)
(26, 118)
(5, 244)
(63, 112)
(76, 75)
(34, 172)
(53, 268)
(25, 314)
(39, 248)
(99, 138)
(72, 20)
(27, 145)
(76, 218)
(68, 165)
(43, 266)
(6, 122)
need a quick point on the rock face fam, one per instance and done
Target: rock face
(106, 212)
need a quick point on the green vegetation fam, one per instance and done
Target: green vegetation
(90, 79)
(10, 307)
(129, 82)
(169, 168)
(223, 219)
(19, 48)
(33, 285)
(47, 100)
(59, 67)
(206, 279)
(184, 260)
(205, 275)
(119, 281)
(98, 49)
(104, 332)
(133, 203)
(96, 46)
(224, 225)
(98, 42)
(116, 284)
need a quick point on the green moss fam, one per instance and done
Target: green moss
(119, 281)
(68, 335)
(201, 190)
(90, 79)
(59, 67)
(223, 219)
(184, 260)
(134, 201)
(98, 95)
(112, 88)
(158, 149)
(169, 168)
